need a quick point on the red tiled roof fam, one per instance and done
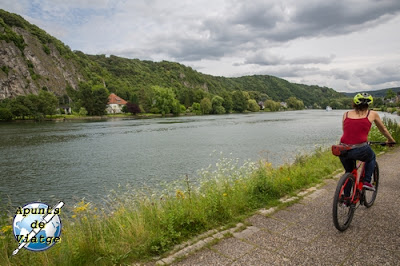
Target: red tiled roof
(114, 99)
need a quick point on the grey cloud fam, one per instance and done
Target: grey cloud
(340, 74)
(261, 58)
(262, 24)
(290, 71)
(312, 60)
(380, 75)
(286, 21)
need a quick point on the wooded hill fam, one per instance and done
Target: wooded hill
(45, 62)
(376, 93)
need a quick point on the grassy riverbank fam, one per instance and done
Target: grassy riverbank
(141, 226)
(144, 224)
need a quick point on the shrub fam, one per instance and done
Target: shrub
(82, 111)
(253, 106)
(5, 114)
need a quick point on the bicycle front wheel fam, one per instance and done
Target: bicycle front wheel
(343, 209)
(370, 196)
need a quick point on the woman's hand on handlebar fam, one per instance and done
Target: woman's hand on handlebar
(390, 144)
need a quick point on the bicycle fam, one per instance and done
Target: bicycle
(350, 194)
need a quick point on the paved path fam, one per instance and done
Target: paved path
(304, 234)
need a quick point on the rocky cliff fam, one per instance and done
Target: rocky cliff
(33, 66)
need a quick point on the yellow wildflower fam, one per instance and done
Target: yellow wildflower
(73, 216)
(6, 228)
(81, 207)
(179, 194)
(224, 194)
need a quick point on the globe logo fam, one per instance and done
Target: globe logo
(37, 227)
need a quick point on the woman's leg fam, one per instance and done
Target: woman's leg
(369, 165)
(365, 154)
(349, 165)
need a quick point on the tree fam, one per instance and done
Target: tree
(199, 95)
(272, 105)
(177, 107)
(32, 103)
(82, 111)
(5, 114)
(294, 103)
(205, 106)
(93, 98)
(19, 108)
(164, 100)
(390, 94)
(227, 104)
(132, 108)
(253, 106)
(100, 96)
(146, 96)
(85, 97)
(239, 101)
(48, 102)
(217, 107)
(196, 108)
(378, 102)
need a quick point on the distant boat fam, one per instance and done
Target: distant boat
(328, 108)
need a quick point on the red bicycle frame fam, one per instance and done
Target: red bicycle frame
(358, 176)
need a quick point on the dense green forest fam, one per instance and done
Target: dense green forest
(132, 75)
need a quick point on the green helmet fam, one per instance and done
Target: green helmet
(363, 98)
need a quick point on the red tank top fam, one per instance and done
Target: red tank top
(355, 131)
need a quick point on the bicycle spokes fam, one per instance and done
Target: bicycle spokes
(343, 203)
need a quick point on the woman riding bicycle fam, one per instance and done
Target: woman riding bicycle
(356, 126)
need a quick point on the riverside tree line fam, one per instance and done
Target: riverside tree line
(92, 100)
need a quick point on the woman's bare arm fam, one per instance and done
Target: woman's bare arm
(382, 128)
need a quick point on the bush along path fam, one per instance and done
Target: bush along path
(303, 233)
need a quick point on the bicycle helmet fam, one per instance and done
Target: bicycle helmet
(363, 98)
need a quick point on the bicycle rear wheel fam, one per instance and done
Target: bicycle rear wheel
(370, 196)
(343, 209)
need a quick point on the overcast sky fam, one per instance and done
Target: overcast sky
(347, 45)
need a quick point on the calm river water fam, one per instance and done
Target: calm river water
(69, 161)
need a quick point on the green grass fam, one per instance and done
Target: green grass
(144, 224)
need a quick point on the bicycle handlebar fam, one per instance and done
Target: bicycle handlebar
(381, 143)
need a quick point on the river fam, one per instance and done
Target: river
(71, 160)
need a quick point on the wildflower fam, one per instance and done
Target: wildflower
(179, 194)
(6, 228)
(224, 194)
(81, 207)
(73, 216)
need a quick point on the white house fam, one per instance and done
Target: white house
(115, 104)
